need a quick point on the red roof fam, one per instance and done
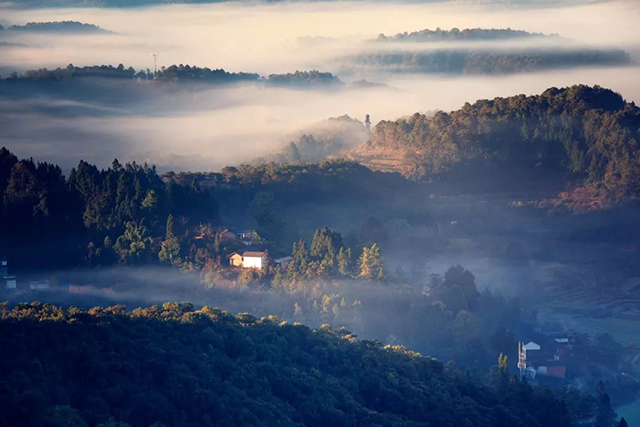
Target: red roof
(556, 371)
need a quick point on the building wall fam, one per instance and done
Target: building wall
(236, 260)
(252, 262)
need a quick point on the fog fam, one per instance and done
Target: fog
(207, 127)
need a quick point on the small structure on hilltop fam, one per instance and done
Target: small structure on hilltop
(248, 259)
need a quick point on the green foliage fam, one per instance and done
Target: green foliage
(92, 208)
(370, 263)
(590, 132)
(270, 224)
(174, 365)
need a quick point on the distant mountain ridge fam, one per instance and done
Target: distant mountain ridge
(490, 60)
(177, 73)
(72, 27)
(455, 34)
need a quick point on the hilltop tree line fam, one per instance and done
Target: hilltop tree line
(112, 215)
(129, 214)
(175, 365)
(491, 61)
(455, 34)
(54, 27)
(174, 73)
(580, 131)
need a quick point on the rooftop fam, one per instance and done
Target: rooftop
(253, 254)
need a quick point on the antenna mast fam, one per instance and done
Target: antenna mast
(155, 64)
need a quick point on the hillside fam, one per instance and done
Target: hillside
(490, 60)
(329, 138)
(588, 134)
(173, 365)
(455, 34)
(59, 27)
(175, 73)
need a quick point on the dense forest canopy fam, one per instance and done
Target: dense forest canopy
(589, 132)
(174, 365)
(123, 206)
(455, 34)
(120, 215)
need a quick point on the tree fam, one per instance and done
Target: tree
(503, 363)
(170, 251)
(150, 201)
(344, 261)
(623, 423)
(170, 228)
(270, 225)
(66, 416)
(371, 266)
(605, 416)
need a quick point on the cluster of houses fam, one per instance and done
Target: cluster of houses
(10, 281)
(545, 361)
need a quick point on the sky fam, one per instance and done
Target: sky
(205, 128)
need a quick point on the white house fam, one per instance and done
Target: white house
(531, 346)
(254, 259)
(248, 259)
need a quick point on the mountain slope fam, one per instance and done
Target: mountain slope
(585, 133)
(172, 365)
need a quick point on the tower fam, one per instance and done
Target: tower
(367, 122)
(522, 359)
(155, 64)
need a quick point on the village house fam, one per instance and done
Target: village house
(248, 259)
(536, 360)
(227, 235)
(248, 237)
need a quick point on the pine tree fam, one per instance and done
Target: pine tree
(371, 263)
(344, 261)
(170, 229)
(503, 363)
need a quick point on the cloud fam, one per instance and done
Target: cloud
(206, 127)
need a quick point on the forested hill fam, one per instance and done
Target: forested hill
(173, 73)
(61, 27)
(581, 132)
(455, 34)
(491, 60)
(176, 366)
